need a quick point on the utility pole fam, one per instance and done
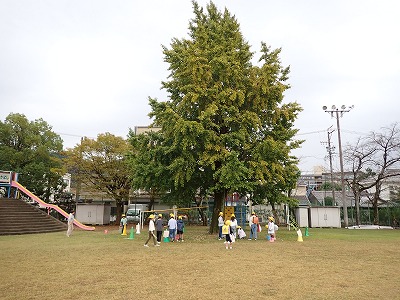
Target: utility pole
(331, 150)
(338, 113)
(78, 177)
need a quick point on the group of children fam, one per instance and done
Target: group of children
(228, 229)
(175, 227)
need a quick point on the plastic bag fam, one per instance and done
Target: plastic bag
(232, 238)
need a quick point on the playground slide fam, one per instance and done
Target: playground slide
(47, 205)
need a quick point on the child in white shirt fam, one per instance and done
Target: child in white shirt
(241, 234)
(271, 229)
(152, 227)
(71, 219)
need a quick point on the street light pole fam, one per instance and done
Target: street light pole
(338, 113)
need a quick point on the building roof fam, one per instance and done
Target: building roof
(144, 129)
(303, 201)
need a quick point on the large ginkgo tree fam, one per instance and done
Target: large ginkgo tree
(224, 126)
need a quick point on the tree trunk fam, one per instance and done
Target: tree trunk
(357, 202)
(218, 207)
(203, 216)
(375, 202)
(119, 210)
(376, 212)
(151, 203)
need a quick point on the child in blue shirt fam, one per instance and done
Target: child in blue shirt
(180, 228)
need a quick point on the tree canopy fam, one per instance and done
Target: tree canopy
(224, 127)
(33, 150)
(100, 164)
(373, 159)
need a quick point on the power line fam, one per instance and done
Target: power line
(69, 134)
(355, 132)
(75, 135)
(311, 132)
(344, 130)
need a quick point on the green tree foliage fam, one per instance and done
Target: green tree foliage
(278, 191)
(146, 162)
(33, 150)
(100, 164)
(151, 165)
(328, 200)
(224, 127)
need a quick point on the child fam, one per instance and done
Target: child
(253, 222)
(71, 219)
(159, 228)
(151, 232)
(179, 229)
(233, 224)
(226, 230)
(172, 227)
(241, 233)
(122, 223)
(220, 224)
(271, 229)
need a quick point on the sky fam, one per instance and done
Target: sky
(88, 67)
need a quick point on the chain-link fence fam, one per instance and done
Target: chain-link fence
(388, 215)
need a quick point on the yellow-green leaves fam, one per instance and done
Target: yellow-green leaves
(224, 127)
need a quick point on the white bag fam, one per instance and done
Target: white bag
(232, 238)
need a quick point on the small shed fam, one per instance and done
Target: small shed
(324, 216)
(302, 216)
(93, 214)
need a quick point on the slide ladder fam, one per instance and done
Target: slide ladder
(47, 205)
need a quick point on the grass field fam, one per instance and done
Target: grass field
(329, 264)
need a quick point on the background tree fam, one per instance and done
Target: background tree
(101, 164)
(387, 161)
(360, 156)
(33, 150)
(374, 159)
(224, 126)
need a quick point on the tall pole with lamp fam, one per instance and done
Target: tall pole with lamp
(338, 113)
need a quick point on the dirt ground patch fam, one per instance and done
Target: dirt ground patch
(329, 264)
